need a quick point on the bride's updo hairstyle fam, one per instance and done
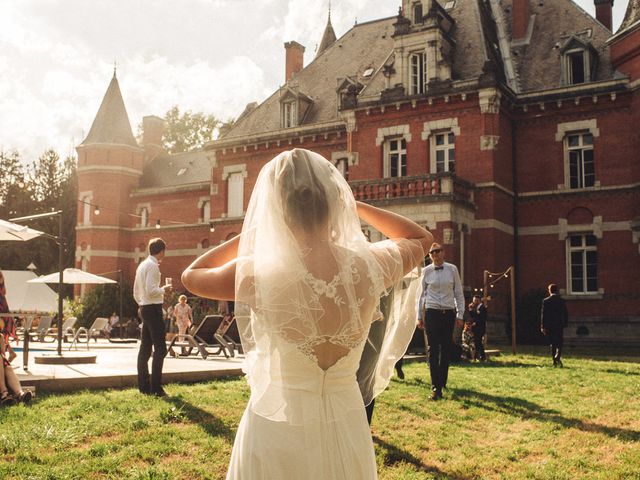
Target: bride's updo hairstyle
(304, 197)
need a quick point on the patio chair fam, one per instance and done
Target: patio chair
(203, 338)
(68, 331)
(41, 330)
(84, 335)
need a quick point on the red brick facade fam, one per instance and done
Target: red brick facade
(508, 203)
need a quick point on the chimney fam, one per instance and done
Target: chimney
(520, 18)
(603, 12)
(152, 130)
(294, 59)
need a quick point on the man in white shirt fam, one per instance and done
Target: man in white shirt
(149, 295)
(440, 306)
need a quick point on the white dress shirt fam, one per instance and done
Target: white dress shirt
(146, 288)
(441, 289)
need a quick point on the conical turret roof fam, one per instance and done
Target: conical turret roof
(328, 37)
(111, 125)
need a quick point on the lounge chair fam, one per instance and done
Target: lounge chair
(84, 335)
(203, 338)
(68, 331)
(41, 330)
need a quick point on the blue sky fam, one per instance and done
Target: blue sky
(215, 56)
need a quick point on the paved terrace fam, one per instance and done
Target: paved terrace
(115, 367)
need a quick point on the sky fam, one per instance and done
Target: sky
(213, 56)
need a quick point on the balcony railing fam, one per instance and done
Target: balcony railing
(412, 187)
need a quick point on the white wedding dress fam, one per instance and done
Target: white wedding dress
(311, 309)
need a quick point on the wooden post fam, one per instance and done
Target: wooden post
(513, 309)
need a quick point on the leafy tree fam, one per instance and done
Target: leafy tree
(102, 300)
(187, 131)
(48, 184)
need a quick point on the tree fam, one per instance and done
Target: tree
(187, 131)
(48, 184)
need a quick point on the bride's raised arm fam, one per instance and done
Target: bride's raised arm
(398, 228)
(212, 274)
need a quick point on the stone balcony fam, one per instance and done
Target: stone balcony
(433, 187)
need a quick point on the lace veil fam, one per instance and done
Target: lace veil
(312, 282)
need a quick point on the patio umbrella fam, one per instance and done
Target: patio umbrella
(73, 276)
(13, 231)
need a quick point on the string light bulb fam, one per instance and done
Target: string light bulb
(158, 224)
(212, 228)
(96, 210)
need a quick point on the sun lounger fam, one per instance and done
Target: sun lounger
(94, 331)
(203, 338)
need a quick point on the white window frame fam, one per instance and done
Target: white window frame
(418, 73)
(342, 164)
(567, 64)
(227, 173)
(581, 148)
(413, 11)
(446, 148)
(289, 114)
(204, 209)
(400, 151)
(86, 210)
(145, 212)
(583, 248)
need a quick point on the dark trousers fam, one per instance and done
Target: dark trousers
(439, 328)
(479, 346)
(369, 409)
(556, 339)
(153, 336)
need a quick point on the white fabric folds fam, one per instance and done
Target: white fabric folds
(312, 284)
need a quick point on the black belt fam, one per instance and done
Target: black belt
(442, 310)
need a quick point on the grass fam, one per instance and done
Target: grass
(514, 417)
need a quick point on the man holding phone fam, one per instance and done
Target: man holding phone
(149, 296)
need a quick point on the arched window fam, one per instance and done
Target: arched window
(205, 211)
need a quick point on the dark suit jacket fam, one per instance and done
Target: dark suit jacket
(554, 315)
(479, 316)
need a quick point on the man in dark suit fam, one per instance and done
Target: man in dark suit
(554, 318)
(478, 313)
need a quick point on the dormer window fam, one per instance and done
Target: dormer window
(289, 115)
(576, 67)
(417, 12)
(418, 73)
(294, 106)
(579, 60)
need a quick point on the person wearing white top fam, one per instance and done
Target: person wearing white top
(439, 307)
(149, 296)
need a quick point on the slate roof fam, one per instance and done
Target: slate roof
(163, 170)
(111, 125)
(538, 64)
(631, 16)
(479, 26)
(365, 45)
(328, 37)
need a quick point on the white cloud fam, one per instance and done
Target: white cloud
(213, 56)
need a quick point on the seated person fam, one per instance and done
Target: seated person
(114, 321)
(9, 382)
(468, 350)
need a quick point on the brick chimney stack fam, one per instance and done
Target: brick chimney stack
(294, 59)
(520, 18)
(152, 130)
(603, 12)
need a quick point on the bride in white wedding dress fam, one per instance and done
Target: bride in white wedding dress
(313, 284)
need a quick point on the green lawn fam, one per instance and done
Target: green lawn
(514, 417)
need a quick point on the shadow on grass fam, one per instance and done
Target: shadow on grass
(529, 410)
(393, 455)
(211, 424)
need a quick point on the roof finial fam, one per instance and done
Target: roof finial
(329, 10)
(115, 66)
